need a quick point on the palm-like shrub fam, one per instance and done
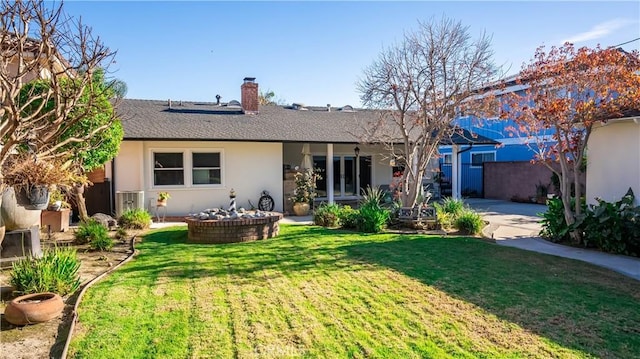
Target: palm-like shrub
(135, 219)
(56, 271)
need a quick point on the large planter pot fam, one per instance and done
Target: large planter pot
(161, 203)
(14, 214)
(38, 198)
(301, 209)
(56, 221)
(33, 308)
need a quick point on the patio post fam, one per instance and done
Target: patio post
(455, 170)
(329, 174)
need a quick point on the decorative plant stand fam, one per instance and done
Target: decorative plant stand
(423, 217)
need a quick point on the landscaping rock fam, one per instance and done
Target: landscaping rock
(105, 219)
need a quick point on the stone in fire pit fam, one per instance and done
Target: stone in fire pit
(220, 226)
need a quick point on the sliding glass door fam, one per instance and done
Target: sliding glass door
(345, 174)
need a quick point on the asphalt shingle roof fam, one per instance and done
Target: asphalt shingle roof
(154, 120)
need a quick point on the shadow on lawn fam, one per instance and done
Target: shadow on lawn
(571, 303)
(574, 304)
(166, 253)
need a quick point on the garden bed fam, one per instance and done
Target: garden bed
(47, 339)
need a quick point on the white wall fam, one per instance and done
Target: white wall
(248, 168)
(613, 161)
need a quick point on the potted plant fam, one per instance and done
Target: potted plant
(305, 191)
(162, 199)
(33, 178)
(56, 217)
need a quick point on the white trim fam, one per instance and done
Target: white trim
(187, 168)
(471, 153)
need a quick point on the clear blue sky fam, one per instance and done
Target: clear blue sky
(314, 52)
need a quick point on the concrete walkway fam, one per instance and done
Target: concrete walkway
(517, 225)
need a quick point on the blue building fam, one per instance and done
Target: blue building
(472, 157)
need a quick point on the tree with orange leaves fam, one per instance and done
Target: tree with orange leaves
(566, 91)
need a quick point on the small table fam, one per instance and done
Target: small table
(158, 210)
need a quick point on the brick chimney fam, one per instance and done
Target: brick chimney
(249, 95)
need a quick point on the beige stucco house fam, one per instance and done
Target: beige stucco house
(613, 159)
(199, 151)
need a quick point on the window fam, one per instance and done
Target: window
(446, 159)
(478, 158)
(206, 168)
(168, 169)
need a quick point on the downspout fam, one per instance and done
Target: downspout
(112, 203)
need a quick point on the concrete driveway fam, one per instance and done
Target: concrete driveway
(508, 220)
(517, 225)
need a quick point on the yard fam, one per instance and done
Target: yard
(314, 292)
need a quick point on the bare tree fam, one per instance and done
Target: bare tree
(422, 85)
(47, 62)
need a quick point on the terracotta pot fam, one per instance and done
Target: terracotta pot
(161, 203)
(33, 308)
(301, 209)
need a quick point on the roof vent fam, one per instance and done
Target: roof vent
(234, 103)
(249, 80)
(218, 97)
(299, 107)
(347, 108)
(328, 107)
(169, 103)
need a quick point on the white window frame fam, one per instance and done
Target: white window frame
(481, 153)
(153, 168)
(187, 163)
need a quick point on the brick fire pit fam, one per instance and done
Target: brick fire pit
(213, 231)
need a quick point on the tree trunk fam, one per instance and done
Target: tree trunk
(565, 188)
(78, 192)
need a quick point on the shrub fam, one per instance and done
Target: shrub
(470, 222)
(372, 196)
(455, 207)
(327, 215)
(135, 219)
(372, 218)
(612, 227)
(56, 271)
(348, 217)
(89, 231)
(121, 233)
(101, 243)
(445, 220)
(554, 225)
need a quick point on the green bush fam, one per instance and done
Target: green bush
(455, 207)
(612, 227)
(372, 196)
(101, 243)
(327, 215)
(349, 217)
(554, 225)
(135, 219)
(56, 271)
(445, 220)
(121, 233)
(90, 231)
(372, 218)
(469, 222)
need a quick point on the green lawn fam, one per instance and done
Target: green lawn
(314, 292)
